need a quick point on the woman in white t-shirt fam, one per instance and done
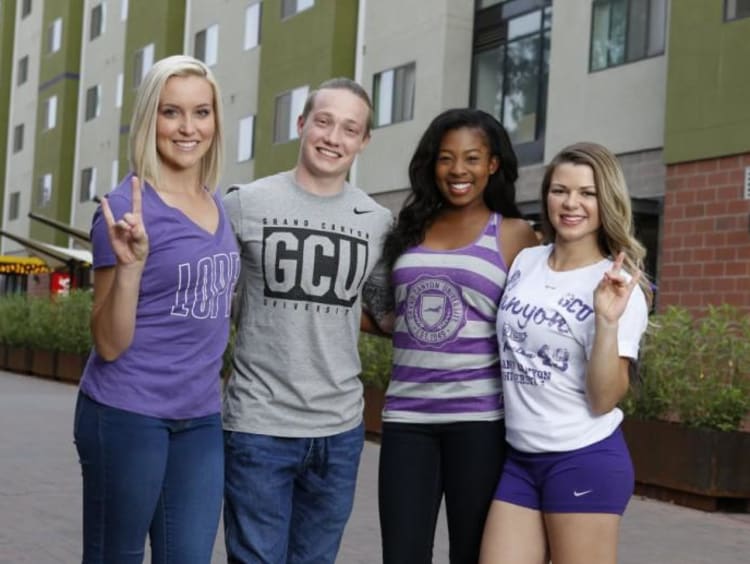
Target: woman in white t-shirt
(569, 325)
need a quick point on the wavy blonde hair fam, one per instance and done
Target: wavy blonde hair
(616, 232)
(144, 157)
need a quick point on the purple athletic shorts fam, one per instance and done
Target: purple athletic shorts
(598, 478)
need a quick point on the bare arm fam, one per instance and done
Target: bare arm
(116, 288)
(607, 372)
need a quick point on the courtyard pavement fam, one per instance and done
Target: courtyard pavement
(40, 492)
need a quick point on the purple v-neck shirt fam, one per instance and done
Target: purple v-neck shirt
(171, 369)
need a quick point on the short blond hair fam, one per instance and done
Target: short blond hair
(144, 157)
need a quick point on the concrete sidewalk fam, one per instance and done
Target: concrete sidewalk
(40, 489)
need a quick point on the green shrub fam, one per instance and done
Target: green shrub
(72, 328)
(696, 371)
(15, 329)
(376, 355)
(42, 323)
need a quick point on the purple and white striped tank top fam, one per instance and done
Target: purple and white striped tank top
(445, 351)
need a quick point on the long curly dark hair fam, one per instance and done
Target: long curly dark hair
(425, 201)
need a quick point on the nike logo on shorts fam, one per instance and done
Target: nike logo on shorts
(360, 212)
(579, 494)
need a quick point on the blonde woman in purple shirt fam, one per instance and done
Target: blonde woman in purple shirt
(147, 422)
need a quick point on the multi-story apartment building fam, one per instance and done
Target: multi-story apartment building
(624, 73)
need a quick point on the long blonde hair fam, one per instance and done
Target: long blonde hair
(144, 158)
(616, 233)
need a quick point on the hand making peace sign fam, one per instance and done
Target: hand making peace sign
(128, 236)
(613, 292)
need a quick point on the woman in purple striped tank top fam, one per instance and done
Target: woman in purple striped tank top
(443, 431)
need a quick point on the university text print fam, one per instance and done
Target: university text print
(325, 267)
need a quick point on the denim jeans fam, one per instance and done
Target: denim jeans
(287, 500)
(148, 476)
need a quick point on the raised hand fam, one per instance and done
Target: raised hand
(128, 236)
(613, 292)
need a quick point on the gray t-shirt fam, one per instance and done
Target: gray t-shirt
(304, 260)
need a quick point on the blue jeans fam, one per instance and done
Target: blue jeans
(148, 476)
(287, 500)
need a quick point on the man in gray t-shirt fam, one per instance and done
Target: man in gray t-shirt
(309, 242)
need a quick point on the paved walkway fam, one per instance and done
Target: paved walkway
(40, 498)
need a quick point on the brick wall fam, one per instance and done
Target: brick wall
(705, 248)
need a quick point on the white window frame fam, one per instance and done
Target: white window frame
(143, 64)
(118, 90)
(50, 113)
(22, 71)
(245, 139)
(210, 53)
(102, 21)
(18, 137)
(114, 173)
(45, 190)
(290, 8)
(88, 114)
(55, 35)
(386, 87)
(14, 206)
(296, 104)
(252, 26)
(87, 193)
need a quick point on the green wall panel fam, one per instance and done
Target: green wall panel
(7, 28)
(708, 83)
(54, 150)
(305, 49)
(159, 22)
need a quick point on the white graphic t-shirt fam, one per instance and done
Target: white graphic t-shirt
(545, 328)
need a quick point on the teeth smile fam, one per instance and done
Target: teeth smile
(186, 144)
(328, 153)
(460, 186)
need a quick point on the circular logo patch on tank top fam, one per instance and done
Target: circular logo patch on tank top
(435, 311)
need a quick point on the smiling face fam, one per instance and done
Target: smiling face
(463, 167)
(332, 134)
(572, 205)
(186, 123)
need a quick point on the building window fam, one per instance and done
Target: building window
(252, 26)
(623, 31)
(207, 45)
(245, 139)
(18, 138)
(123, 10)
(14, 205)
(54, 37)
(93, 105)
(23, 70)
(50, 112)
(144, 59)
(118, 91)
(510, 72)
(394, 95)
(735, 9)
(289, 106)
(97, 21)
(292, 7)
(115, 174)
(25, 8)
(88, 184)
(44, 194)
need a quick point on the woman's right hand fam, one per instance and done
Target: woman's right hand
(128, 236)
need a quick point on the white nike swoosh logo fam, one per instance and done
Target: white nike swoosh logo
(584, 492)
